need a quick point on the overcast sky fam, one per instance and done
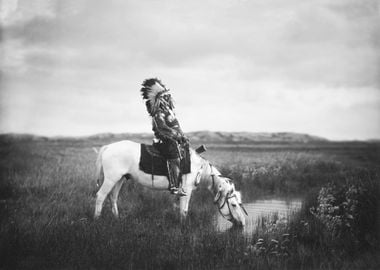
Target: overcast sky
(75, 67)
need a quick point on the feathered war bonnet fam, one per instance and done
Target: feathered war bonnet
(153, 92)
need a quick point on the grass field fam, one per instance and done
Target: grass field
(47, 202)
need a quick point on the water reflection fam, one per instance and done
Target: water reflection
(271, 209)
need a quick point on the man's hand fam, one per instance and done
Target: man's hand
(184, 139)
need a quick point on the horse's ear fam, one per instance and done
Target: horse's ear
(212, 173)
(217, 196)
(238, 196)
(198, 178)
(233, 187)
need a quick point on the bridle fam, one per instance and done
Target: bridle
(230, 195)
(226, 201)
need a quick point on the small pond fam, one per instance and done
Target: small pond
(268, 209)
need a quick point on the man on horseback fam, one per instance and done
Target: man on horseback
(168, 134)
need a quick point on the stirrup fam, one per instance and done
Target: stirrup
(173, 190)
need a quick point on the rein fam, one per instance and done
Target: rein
(226, 200)
(229, 195)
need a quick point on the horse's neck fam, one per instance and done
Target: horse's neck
(210, 177)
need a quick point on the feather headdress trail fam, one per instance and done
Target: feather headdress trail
(156, 96)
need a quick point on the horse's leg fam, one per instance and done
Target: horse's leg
(114, 195)
(184, 204)
(101, 195)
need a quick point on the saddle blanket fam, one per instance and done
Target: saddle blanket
(152, 162)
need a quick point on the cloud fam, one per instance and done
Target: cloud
(296, 41)
(263, 57)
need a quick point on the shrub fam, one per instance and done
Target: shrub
(348, 212)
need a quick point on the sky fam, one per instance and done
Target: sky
(75, 67)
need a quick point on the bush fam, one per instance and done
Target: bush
(349, 213)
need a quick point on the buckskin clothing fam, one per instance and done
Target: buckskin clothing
(166, 128)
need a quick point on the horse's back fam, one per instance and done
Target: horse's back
(123, 148)
(121, 156)
(124, 144)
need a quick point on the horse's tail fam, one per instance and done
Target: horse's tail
(99, 168)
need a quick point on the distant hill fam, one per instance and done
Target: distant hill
(21, 137)
(197, 136)
(252, 137)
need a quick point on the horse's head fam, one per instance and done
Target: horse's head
(229, 202)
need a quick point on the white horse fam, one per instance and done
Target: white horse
(121, 160)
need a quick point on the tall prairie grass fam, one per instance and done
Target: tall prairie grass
(47, 202)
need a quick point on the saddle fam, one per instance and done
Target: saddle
(152, 162)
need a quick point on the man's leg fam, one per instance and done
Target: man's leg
(173, 167)
(174, 177)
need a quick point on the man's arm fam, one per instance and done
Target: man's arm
(164, 129)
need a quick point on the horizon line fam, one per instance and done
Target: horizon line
(151, 134)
